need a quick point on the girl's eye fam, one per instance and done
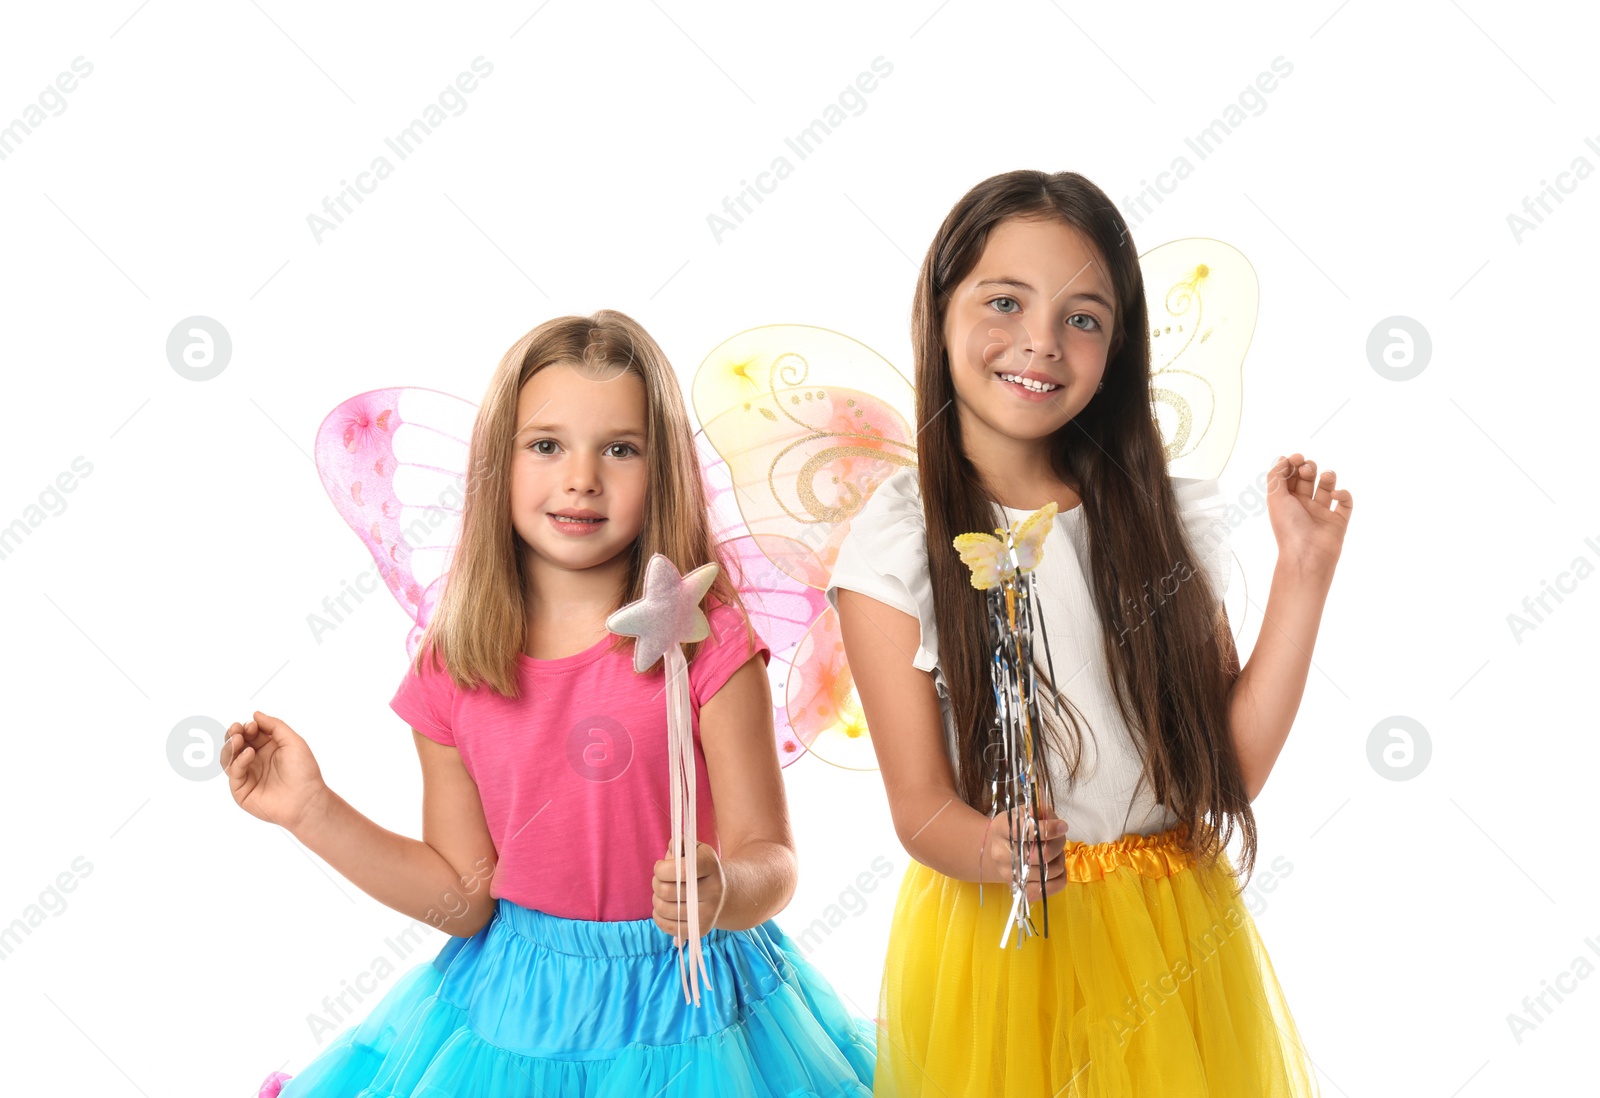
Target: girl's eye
(537, 443)
(627, 449)
(1093, 325)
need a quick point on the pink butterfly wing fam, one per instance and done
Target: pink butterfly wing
(393, 461)
(781, 609)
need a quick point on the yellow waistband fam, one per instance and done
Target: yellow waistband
(1158, 855)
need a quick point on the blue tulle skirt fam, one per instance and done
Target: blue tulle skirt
(561, 1008)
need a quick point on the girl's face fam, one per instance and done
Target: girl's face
(1038, 305)
(578, 454)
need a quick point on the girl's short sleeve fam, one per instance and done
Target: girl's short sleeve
(425, 701)
(722, 653)
(1205, 518)
(885, 557)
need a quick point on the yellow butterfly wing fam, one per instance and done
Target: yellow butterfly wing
(985, 554)
(1202, 297)
(809, 422)
(1029, 535)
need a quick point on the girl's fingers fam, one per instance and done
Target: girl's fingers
(262, 724)
(1054, 851)
(1325, 486)
(241, 763)
(239, 745)
(669, 902)
(251, 733)
(1306, 482)
(1049, 826)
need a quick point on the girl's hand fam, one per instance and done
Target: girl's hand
(670, 911)
(1309, 530)
(272, 772)
(995, 863)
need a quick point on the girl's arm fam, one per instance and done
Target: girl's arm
(901, 705)
(442, 880)
(759, 868)
(1266, 693)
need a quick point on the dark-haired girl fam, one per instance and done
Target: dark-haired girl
(1033, 385)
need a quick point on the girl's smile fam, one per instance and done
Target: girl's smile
(1030, 385)
(577, 523)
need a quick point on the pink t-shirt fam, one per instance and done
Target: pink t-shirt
(573, 774)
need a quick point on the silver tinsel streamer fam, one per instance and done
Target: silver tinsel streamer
(1014, 783)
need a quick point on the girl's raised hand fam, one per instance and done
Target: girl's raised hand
(670, 912)
(271, 771)
(995, 865)
(1309, 529)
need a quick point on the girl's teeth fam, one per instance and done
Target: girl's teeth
(566, 518)
(1036, 386)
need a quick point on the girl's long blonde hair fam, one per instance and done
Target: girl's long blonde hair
(480, 624)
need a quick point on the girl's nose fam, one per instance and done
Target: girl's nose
(1043, 340)
(583, 475)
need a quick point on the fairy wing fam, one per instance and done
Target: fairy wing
(821, 697)
(1202, 297)
(807, 422)
(781, 610)
(393, 461)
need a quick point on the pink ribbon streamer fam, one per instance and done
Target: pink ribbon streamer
(685, 832)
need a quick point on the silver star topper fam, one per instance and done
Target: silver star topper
(667, 614)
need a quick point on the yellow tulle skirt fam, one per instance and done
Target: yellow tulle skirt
(1145, 986)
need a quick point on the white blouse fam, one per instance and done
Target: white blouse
(885, 556)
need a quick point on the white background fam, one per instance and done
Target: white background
(1415, 915)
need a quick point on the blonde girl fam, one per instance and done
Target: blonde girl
(544, 760)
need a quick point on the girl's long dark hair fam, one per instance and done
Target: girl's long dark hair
(1172, 672)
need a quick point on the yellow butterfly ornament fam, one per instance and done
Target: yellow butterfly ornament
(994, 560)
